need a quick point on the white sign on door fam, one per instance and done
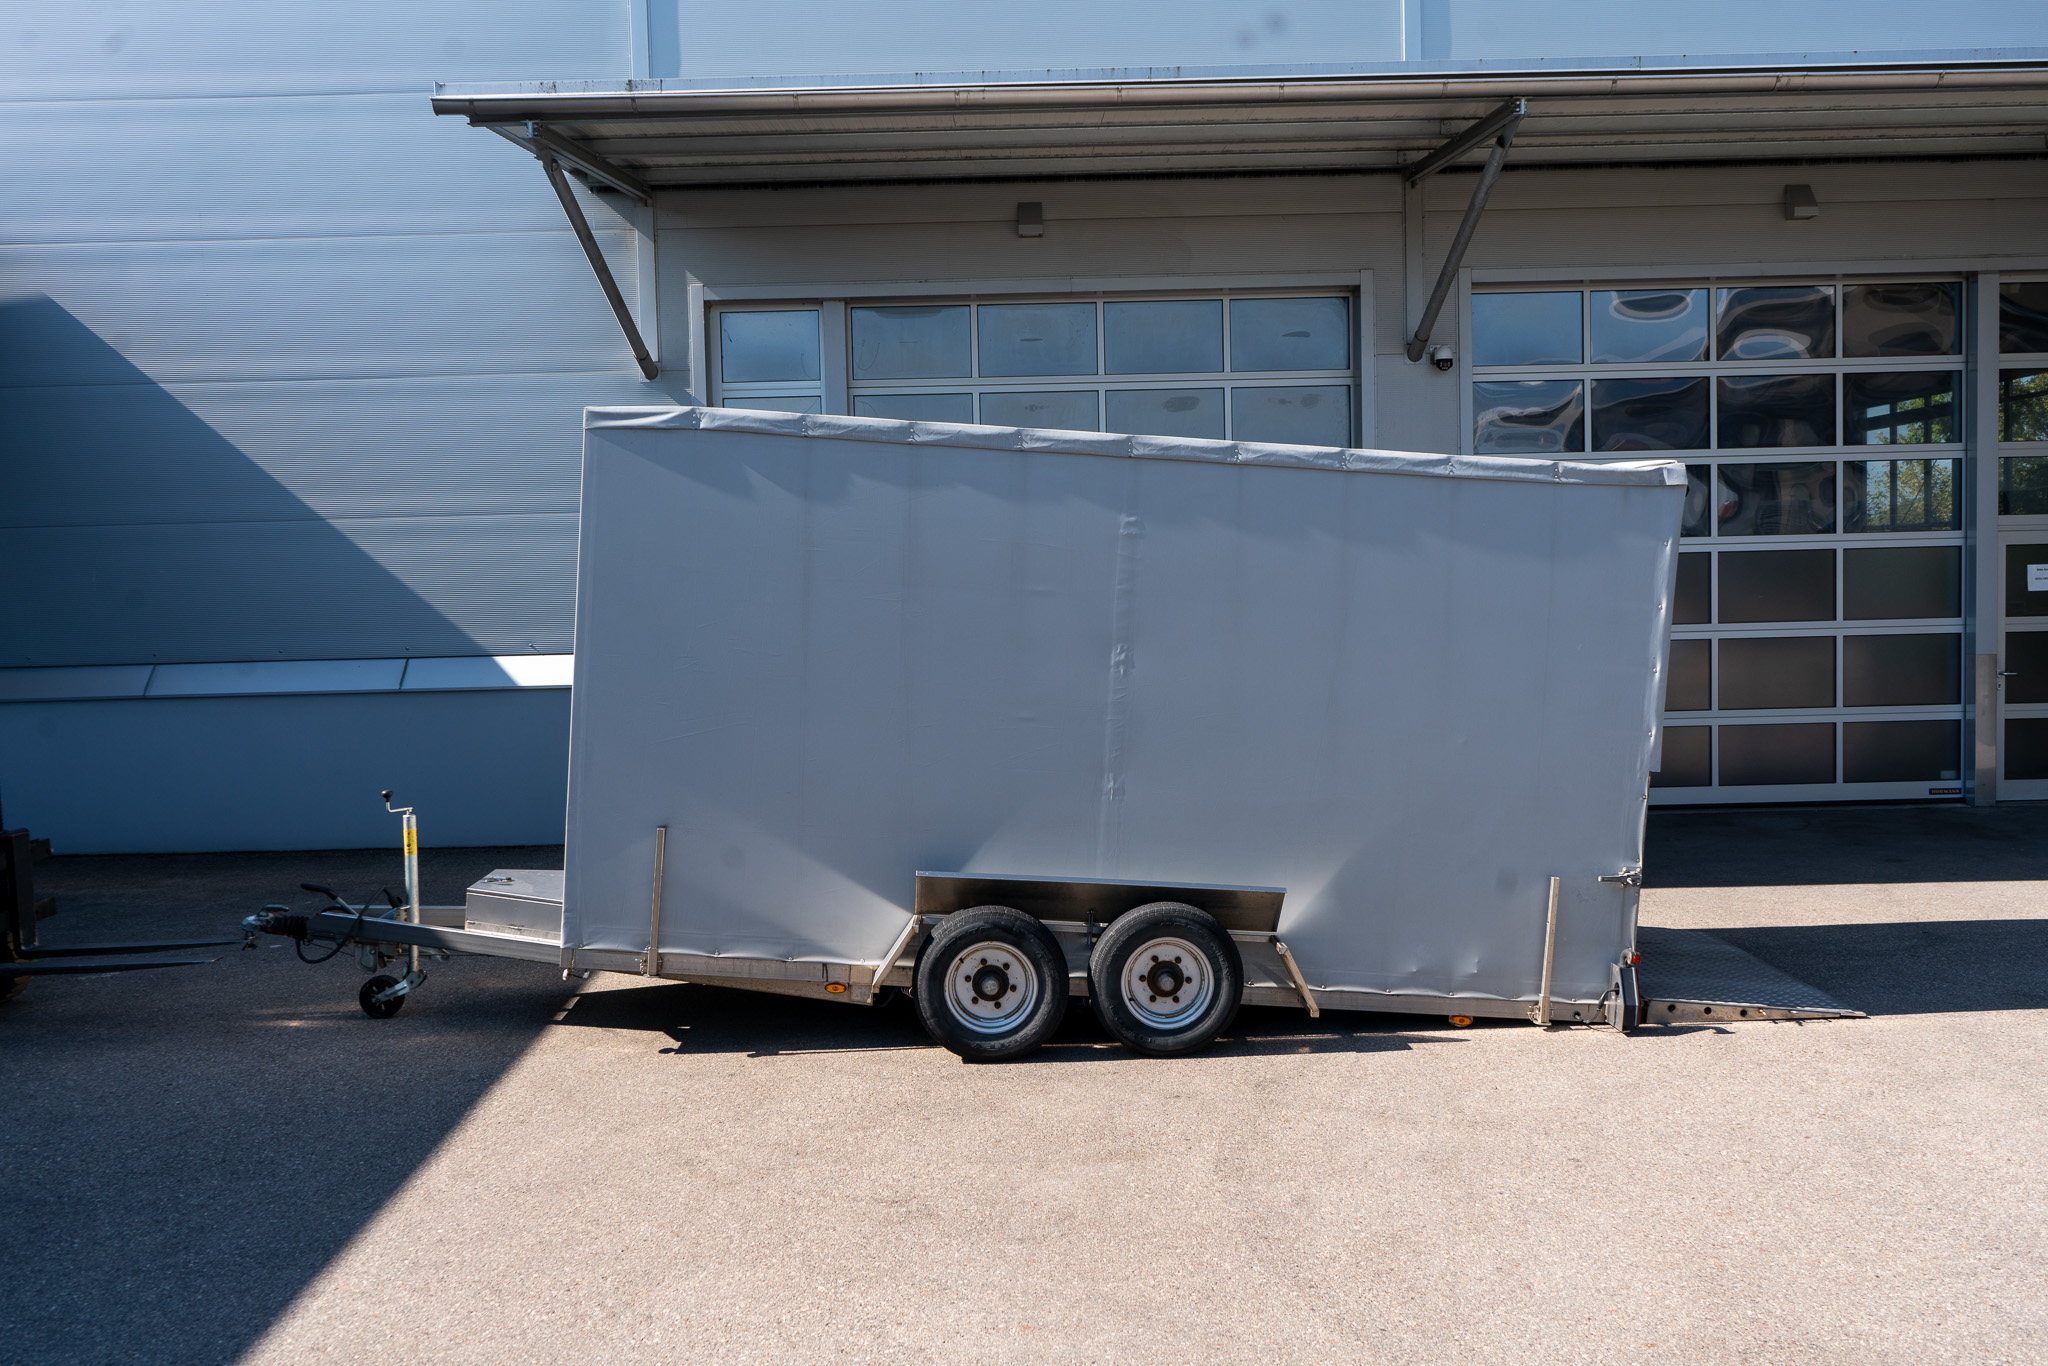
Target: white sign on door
(2037, 578)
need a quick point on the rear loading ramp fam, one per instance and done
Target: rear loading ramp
(1689, 976)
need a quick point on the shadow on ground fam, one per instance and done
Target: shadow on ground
(1920, 967)
(188, 1147)
(696, 1020)
(1832, 845)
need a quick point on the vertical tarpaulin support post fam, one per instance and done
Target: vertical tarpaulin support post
(1540, 1012)
(650, 966)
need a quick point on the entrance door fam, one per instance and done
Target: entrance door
(2023, 665)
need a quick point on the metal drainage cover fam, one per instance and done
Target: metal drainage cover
(1689, 976)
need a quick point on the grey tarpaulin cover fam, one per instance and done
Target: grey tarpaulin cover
(828, 652)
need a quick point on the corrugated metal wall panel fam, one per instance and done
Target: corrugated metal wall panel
(257, 47)
(198, 774)
(978, 35)
(310, 308)
(296, 166)
(143, 453)
(974, 35)
(449, 585)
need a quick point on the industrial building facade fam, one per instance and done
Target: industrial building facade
(293, 430)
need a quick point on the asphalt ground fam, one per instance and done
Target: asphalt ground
(231, 1163)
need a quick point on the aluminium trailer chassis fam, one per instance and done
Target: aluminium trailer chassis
(991, 961)
(983, 957)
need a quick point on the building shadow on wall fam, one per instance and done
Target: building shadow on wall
(136, 533)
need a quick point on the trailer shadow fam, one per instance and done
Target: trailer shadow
(699, 1020)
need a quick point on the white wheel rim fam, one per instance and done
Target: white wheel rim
(991, 988)
(1168, 982)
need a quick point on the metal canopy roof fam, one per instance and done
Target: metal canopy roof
(645, 135)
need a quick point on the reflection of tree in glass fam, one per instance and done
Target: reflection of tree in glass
(2023, 405)
(1900, 495)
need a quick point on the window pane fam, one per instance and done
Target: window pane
(1773, 321)
(1698, 517)
(1290, 334)
(1688, 686)
(1902, 751)
(2026, 655)
(1650, 414)
(1778, 585)
(1648, 324)
(1778, 671)
(1777, 410)
(1777, 755)
(1903, 408)
(2023, 405)
(916, 407)
(1317, 416)
(1775, 500)
(2019, 560)
(1901, 671)
(763, 403)
(1166, 412)
(2023, 316)
(1037, 339)
(772, 347)
(1880, 583)
(1164, 338)
(922, 342)
(1528, 417)
(2026, 748)
(1068, 411)
(1695, 600)
(1688, 758)
(1900, 495)
(2023, 485)
(1900, 319)
(1526, 329)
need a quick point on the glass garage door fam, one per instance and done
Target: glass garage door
(1817, 647)
(1243, 367)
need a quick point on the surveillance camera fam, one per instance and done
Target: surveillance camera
(1442, 357)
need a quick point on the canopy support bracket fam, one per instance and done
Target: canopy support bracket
(1499, 127)
(553, 150)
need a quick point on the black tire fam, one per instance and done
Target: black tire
(1184, 1004)
(379, 1010)
(969, 971)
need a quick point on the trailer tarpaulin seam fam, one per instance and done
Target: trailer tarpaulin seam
(1652, 473)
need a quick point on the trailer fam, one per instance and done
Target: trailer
(1005, 718)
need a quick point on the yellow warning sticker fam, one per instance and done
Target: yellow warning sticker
(412, 843)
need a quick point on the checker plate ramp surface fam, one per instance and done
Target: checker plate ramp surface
(1689, 975)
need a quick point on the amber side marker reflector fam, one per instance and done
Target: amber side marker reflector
(835, 987)
(1462, 1021)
